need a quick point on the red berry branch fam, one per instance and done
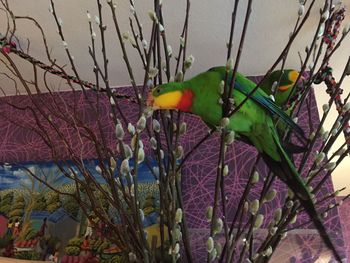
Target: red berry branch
(326, 72)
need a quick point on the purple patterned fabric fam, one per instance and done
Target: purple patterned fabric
(20, 144)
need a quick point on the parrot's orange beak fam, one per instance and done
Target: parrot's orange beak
(150, 101)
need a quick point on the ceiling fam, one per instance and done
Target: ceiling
(270, 24)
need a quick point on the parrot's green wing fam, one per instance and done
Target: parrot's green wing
(246, 86)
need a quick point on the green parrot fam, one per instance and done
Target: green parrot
(252, 123)
(285, 79)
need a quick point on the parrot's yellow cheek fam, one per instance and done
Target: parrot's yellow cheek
(167, 101)
(293, 75)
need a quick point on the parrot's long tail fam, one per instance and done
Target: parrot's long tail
(287, 172)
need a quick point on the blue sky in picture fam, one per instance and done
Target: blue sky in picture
(15, 175)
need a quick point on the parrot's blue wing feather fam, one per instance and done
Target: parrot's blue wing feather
(268, 104)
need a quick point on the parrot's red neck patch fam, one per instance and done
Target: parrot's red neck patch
(186, 100)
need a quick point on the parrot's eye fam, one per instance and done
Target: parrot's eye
(157, 90)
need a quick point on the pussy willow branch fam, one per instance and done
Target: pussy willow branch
(311, 80)
(125, 55)
(157, 45)
(169, 137)
(232, 28)
(165, 46)
(29, 94)
(162, 192)
(102, 29)
(85, 206)
(284, 60)
(281, 57)
(219, 178)
(239, 209)
(316, 168)
(137, 202)
(148, 60)
(325, 199)
(175, 169)
(47, 136)
(343, 119)
(330, 48)
(97, 79)
(139, 26)
(175, 185)
(251, 221)
(50, 146)
(228, 89)
(59, 26)
(329, 173)
(68, 53)
(171, 166)
(163, 189)
(182, 48)
(308, 56)
(291, 40)
(54, 113)
(111, 96)
(325, 114)
(138, 48)
(329, 208)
